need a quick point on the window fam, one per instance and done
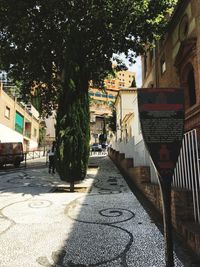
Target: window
(191, 88)
(19, 123)
(91, 94)
(104, 95)
(7, 112)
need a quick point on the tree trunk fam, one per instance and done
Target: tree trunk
(72, 186)
(72, 126)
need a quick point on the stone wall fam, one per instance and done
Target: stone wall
(181, 200)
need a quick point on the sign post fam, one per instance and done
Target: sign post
(161, 112)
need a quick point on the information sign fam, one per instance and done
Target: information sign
(161, 112)
(162, 123)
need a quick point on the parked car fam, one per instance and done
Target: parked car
(11, 153)
(96, 147)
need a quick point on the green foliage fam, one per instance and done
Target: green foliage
(37, 37)
(72, 131)
(112, 120)
(58, 46)
(42, 134)
(133, 84)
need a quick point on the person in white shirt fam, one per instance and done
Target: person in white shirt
(51, 153)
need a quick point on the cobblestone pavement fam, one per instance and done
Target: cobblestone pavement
(106, 227)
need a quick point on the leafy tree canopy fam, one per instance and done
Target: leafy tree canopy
(38, 38)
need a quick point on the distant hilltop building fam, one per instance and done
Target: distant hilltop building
(122, 80)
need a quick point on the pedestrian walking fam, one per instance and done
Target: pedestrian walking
(52, 160)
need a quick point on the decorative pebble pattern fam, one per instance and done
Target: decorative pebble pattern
(106, 227)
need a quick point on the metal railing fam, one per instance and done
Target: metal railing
(33, 154)
(187, 171)
(23, 157)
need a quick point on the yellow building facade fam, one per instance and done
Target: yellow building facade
(17, 122)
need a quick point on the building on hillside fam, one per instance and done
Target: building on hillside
(103, 96)
(18, 122)
(123, 79)
(102, 101)
(175, 61)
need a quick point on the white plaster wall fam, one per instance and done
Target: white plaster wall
(127, 103)
(136, 122)
(129, 149)
(118, 117)
(50, 126)
(33, 145)
(9, 135)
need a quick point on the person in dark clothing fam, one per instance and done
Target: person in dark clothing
(52, 160)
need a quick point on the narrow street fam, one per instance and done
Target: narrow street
(100, 224)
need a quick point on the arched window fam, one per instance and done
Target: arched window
(191, 88)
